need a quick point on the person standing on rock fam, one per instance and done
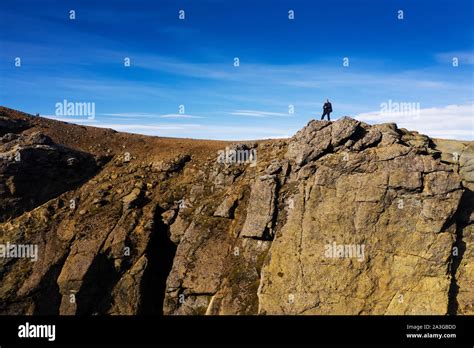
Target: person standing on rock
(327, 109)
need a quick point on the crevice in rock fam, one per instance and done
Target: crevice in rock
(269, 233)
(160, 253)
(461, 217)
(96, 292)
(48, 298)
(95, 295)
(266, 237)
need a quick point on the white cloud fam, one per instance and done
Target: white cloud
(314, 75)
(179, 116)
(257, 113)
(450, 121)
(146, 115)
(197, 131)
(131, 114)
(82, 119)
(141, 128)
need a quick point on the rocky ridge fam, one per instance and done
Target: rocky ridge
(128, 224)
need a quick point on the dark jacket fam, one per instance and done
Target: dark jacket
(327, 107)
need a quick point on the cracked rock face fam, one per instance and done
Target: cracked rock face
(401, 230)
(261, 209)
(342, 218)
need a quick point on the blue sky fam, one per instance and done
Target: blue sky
(283, 62)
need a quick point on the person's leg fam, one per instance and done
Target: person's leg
(322, 117)
(329, 116)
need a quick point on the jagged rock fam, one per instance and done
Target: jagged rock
(174, 165)
(261, 210)
(132, 198)
(224, 175)
(274, 168)
(390, 134)
(178, 228)
(415, 139)
(343, 129)
(319, 137)
(9, 137)
(127, 293)
(310, 142)
(221, 179)
(197, 269)
(169, 216)
(35, 170)
(196, 191)
(37, 138)
(226, 208)
(307, 171)
(373, 136)
(10, 125)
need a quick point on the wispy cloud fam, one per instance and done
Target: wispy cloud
(258, 113)
(132, 115)
(180, 116)
(142, 128)
(199, 131)
(307, 75)
(71, 120)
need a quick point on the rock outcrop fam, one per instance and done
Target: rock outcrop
(34, 170)
(342, 218)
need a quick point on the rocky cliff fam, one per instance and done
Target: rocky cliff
(342, 218)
